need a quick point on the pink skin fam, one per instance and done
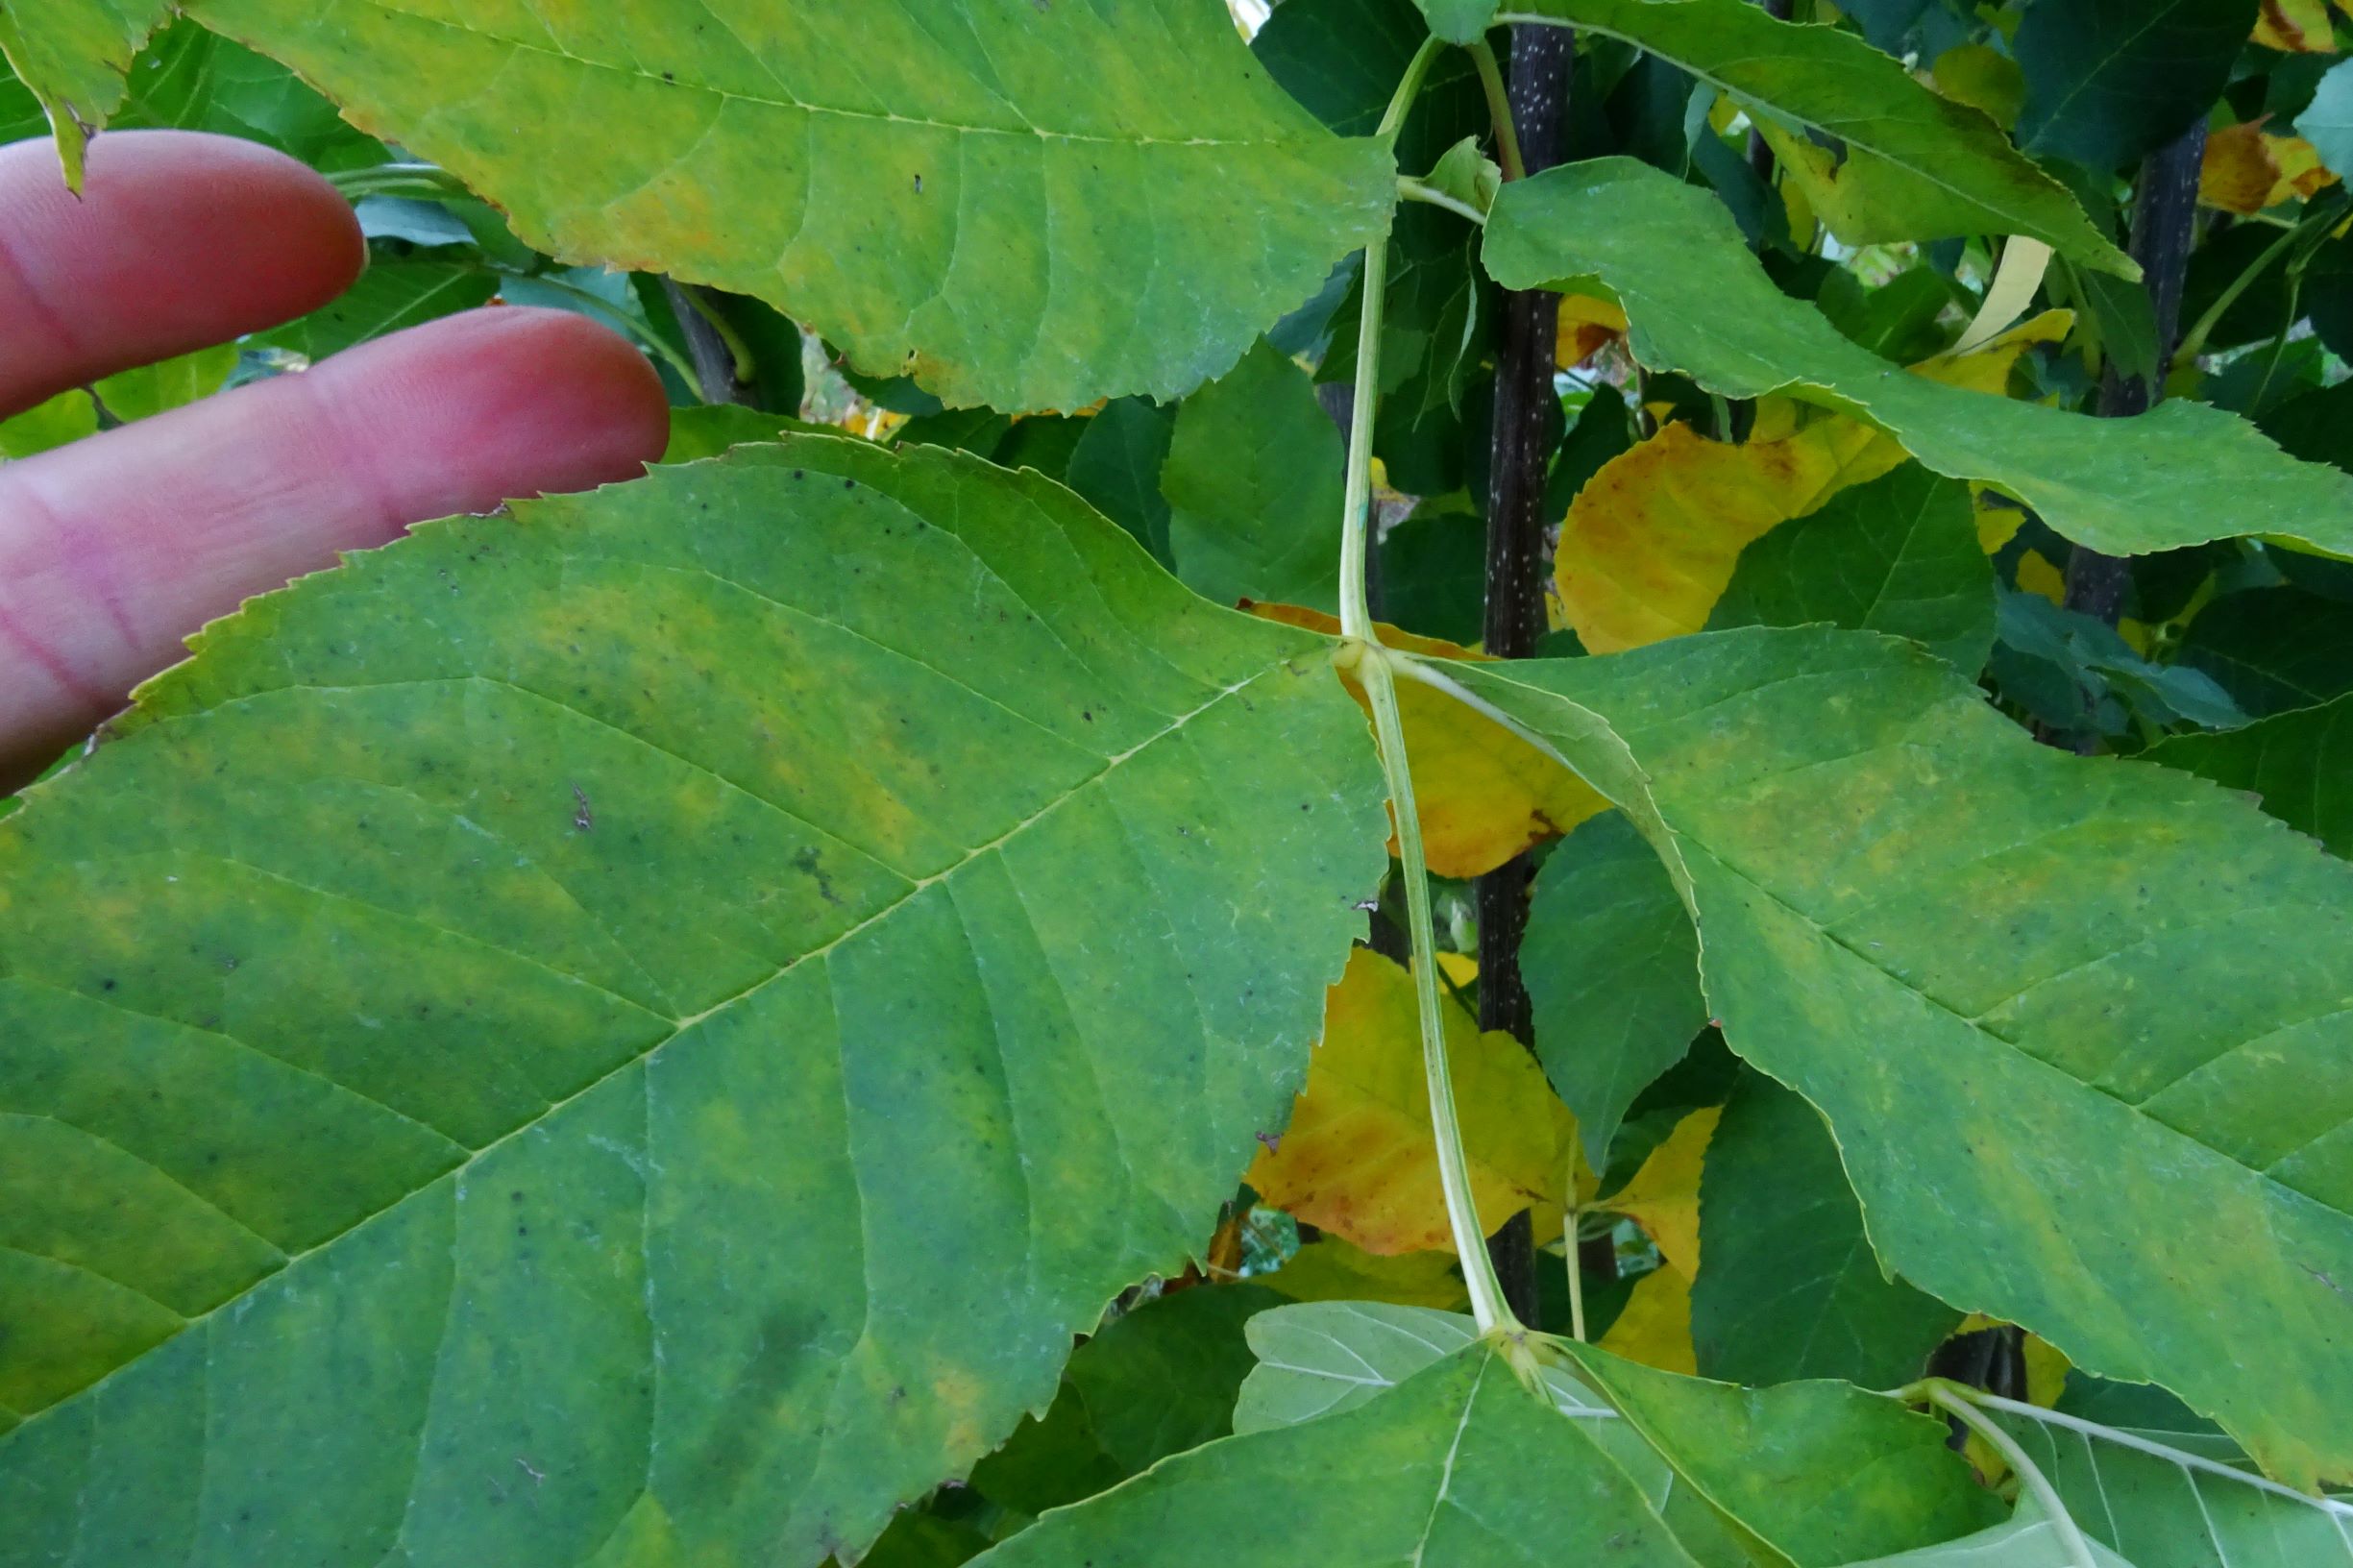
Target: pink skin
(114, 549)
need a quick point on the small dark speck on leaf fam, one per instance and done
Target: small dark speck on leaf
(849, 484)
(582, 819)
(800, 473)
(918, 185)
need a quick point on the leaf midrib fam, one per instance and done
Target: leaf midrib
(680, 1027)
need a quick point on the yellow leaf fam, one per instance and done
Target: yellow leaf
(2246, 169)
(1459, 968)
(1654, 1325)
(1483, 794)
(2036, 575)
(1331, 1270)
(1998, 522)
(2295, 26)
(1663, 1196)
(1359, 1160)
(1987, 368)
(1651, 540)
(1586, 324)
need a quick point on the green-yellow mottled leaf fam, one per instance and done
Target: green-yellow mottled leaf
(584, 1037)
(2014, 982)
(1700, 303)
(1029, 206)
(1909, 164)
(72, 54)
(1455, 1467)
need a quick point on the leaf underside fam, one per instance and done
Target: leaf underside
(599, 1032)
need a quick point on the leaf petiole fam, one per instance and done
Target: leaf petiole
(1371, 664)
(1960, 1403)
(1422, 190)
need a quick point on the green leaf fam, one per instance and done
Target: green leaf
(69, 416)
(1457, 1467)
(1459, 21)
(2297, 763)
(1342, 60)
(1791, 1287)
(1254, 482)
(1116, 465)
(1700, 304)
(1820, 1471)
(1024, 207)
(153, 389)
(1899, 555)
(1157, 1381)
(188, 79)
(1613, 973)
(2273, 649)
(2108, 81)
(708, 429)
(388, 296)
(1433, 573)
(2172, 1500)
(72, 54)
(1908, 164)
(2328, 122)
(2013, 981)
(586, 1032)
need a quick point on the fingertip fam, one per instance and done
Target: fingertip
(180, 240)
(474, 409)
(593, 396)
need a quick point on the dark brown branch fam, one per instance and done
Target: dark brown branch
(1526, 416)
(2164, 214)
(712, 360)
